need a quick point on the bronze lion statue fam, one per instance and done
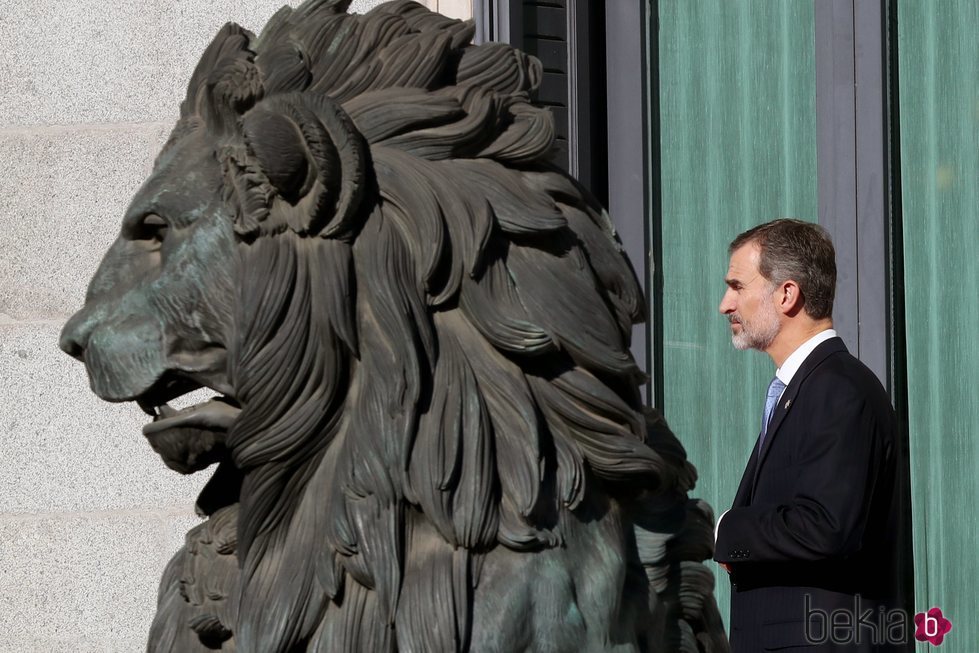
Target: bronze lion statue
(428, 434)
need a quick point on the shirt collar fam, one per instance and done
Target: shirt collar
(798, 357)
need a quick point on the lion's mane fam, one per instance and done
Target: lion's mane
(432, 341)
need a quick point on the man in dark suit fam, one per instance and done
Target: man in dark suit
(816, 541)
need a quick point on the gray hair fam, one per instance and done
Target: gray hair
(798, 251)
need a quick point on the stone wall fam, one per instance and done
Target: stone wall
(89, 516)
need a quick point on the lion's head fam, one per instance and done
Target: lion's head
(418, 332)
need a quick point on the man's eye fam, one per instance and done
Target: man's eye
(152, 227)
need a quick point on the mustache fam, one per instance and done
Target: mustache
(734, 318)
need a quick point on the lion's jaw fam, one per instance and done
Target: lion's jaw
(158, 312)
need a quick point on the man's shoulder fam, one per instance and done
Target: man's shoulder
(840, 372)
(842, 364)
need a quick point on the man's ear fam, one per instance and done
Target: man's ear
(788, 298)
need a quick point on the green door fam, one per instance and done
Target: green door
(938, 64)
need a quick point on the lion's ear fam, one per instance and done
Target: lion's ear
(277, 144)
(312, 156)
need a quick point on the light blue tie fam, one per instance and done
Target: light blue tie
(775, 389)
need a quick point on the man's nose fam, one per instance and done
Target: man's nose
(727, 303)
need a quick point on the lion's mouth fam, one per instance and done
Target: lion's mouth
(192, 438)
(217, 414)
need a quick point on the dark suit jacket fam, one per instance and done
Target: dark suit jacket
(820, 522)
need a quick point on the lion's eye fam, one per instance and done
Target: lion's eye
(152, 227)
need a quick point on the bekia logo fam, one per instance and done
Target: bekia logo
(880, 626)
(931, 626)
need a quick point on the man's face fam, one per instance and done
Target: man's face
(749, 302)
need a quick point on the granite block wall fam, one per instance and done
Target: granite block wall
(89, 516)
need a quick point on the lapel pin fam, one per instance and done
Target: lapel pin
(787, 404)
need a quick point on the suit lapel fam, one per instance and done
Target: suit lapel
(784, 405)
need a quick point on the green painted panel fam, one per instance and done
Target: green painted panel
(938, 59)
(738, 145)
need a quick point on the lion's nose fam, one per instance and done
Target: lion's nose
(75, 334)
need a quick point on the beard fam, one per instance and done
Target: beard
(760, 332)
